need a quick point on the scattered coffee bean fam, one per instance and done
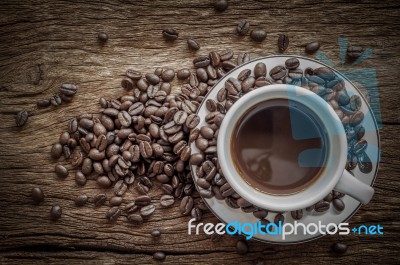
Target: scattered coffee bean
(243, 27)
(258, 35)
(135, 218)
(113, 213)
(102, 37)
(99, 200)
(354, 51)
(159, 256)
(81, 200)
(297, 215)
(221, 5)
(21, 118)
(43, 103)
(61, 171)
(193, 44)
(242, 247)
(37, 195)
(338, 204)
(339, 248)
(283, 42)
(322, 206)
(55, 212)
(167, 200)
(155, 233)
(186, 205)
(312, 47)
(170, 34)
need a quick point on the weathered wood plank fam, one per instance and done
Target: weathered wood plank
(46, 44)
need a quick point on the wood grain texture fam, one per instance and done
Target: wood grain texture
(46, 43)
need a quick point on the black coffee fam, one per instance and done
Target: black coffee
(279, 147)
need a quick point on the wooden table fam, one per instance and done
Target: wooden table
(46, 43)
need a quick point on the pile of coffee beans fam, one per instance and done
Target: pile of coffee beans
(322, 81)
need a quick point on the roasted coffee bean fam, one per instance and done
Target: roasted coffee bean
(135, 218)
(278, 72)
(99, 199)
(364, 163)
(155, 233)
(143, 200)
(68, 89)
(221, 5)
(61, 171)
(283, 42)
(297, 215)
(228, 65)
(192, 121)
(322, 206)
(113, 213)
(21, 118)
(312, 47)
(80, 178)
(170, 34)
(159, 256)
(127, 84)
(226, 54)
(215, 58)
(258, 35)
(56, 151)
(196, 213)
(260, 69)
(96, 155)
(55, 100)
(354, 51)
(133, 74)
(43, 103)
(152, 79)
(167, 200)
(193, 44)
(338, 204)
(339, 248)
(260, 214)
(279, 218)
(145, 149)
(55, 212)
(147, 210)
(180, 117)
(124, 118)
(227, 190)
(357, 118)
(242, 247)
(243, 27)
(81, 200)
(242, 58)
(203, 183)
(201, 61)
(292, 63)
(186, 205)
(201, 74)
(233, 86)
(115, 201)
(183, 74)
(102, 37)
(103, 182)
(37, 195)
(196, 159)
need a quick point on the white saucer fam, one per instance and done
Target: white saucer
(226, 214)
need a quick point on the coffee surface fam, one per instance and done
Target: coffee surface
(279, 147)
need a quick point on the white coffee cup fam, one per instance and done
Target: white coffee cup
(334, 176)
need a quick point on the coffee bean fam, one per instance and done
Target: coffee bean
(115, 201)
(135, 218)
(196, 213)
(258, 35)
(338, 204)
(193, 44)
(127, 84)
(147, 210)
(278, 72)
(227, 190)
(37, 195)
(43, 103)
(203, 183)
(113, 213)
(186, 205)
(55, 212)
(143, 200)
(133, 74)
(279, 218)
(192, 121)
(168, 75)
(61, 171)
(56, 151)
(152, 79)
(322, 206)
(354, 51)
(80, 178)
(243, 27)
(170, 34)
(260, 214)
(55, 100)
(283, 42)
(159, 256)
(356, 118)
(81, 200)
(242, 58)
(221, 5)
(167, 200)
(202, 74)
(233, 86)
(260, 69)
(99, 200)
(201, 61)
(339, 248)
(312, 47)
(226, 54)
(21, 118)
(102, 37)
(297, 215)
(180, 117)
(155, 233)
(292, 63)
(242, 247)
(68, 89)
(183, 74)
(124, 118)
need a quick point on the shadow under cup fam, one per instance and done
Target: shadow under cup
(279, 146)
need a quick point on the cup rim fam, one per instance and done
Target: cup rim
(337, 154)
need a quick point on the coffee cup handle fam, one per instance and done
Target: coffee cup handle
(351, 186)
